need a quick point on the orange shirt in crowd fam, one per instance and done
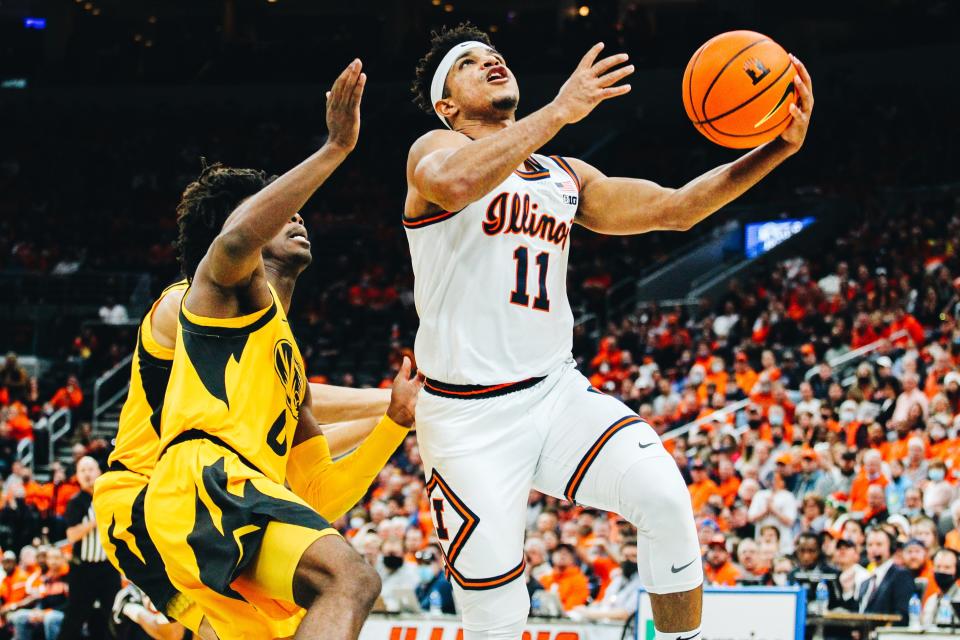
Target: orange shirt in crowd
(36, 496)
(852, 428)
(728, 489)
(700, 492)
(953, 540)
(932, 588)
(602, 568)
(14, 587)
(746, 380)
(896, 450)
(946, 450)
(913, 327)
(858, 491)
(20, 426)
(765, 433)
(726, 575)
(66, 398)
(569, 584)
(61, 495)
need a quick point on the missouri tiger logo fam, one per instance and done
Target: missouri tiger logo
(290, 371)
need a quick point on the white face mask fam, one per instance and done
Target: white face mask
(780, 579)
(716, 367)
(356, 522)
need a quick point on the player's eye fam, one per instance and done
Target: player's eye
(465, 63)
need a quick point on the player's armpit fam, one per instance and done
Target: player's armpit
(332, 488)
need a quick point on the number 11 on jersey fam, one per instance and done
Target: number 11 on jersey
(519, 295)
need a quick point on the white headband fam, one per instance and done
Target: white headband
(440, 75)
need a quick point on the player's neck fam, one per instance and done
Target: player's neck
(476, 129)
(283, 281)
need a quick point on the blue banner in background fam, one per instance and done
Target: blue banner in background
(760, 237)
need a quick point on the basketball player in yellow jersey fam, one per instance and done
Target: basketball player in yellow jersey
(225, 526)
(119, 493)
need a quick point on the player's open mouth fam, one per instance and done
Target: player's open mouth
(498, 73)
(301, 236)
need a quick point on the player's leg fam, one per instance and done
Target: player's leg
(209, 515)
(118, 500)
(599, 453)
(479, 456)
(323, 574)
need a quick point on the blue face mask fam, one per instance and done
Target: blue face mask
(426, 573)
(936, 475)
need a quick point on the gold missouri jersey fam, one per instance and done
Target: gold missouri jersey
(240, 380)
(138, 433)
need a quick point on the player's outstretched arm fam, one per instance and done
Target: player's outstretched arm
(334, 487)
(623, 206)
(235, 253)
(332, 404)
(450, 170)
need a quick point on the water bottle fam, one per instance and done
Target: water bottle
(436, 603)
(914, 612)
(944, 613)
(536, 603)
(823, 598)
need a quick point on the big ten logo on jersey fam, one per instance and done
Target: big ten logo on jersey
(512, 213)
(290, 372)
(448, 632)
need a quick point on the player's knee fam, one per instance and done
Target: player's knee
(653, 492)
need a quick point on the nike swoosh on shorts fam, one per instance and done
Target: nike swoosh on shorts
(644, 446)
(679, 569)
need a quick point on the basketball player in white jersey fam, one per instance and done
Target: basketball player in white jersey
(503, 408)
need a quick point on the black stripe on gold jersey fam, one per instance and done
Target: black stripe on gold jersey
(148, 574)
(154, 375)
(210, 348)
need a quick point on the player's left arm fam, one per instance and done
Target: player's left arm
(334, 487)
(331, 404)
(624, 206)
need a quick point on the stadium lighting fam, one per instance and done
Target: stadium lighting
(35, 23)
(448, 8)
(584, 11)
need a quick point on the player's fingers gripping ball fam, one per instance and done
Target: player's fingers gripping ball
(738, 88)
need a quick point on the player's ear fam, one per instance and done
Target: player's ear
(447, 108)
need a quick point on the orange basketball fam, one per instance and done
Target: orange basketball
(738, 88)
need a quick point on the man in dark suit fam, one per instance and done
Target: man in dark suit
(889, 588)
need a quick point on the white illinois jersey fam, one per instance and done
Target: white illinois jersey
(490, 280)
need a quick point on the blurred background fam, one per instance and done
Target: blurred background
(804, 322)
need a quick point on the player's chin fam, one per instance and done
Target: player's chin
(298, 253)
(505, 100)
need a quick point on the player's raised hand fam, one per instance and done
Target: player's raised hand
(403, 398)
(591, 83)
(343, 107)
(795, 133)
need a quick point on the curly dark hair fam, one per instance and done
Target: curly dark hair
(205, 205)
(440, 43)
